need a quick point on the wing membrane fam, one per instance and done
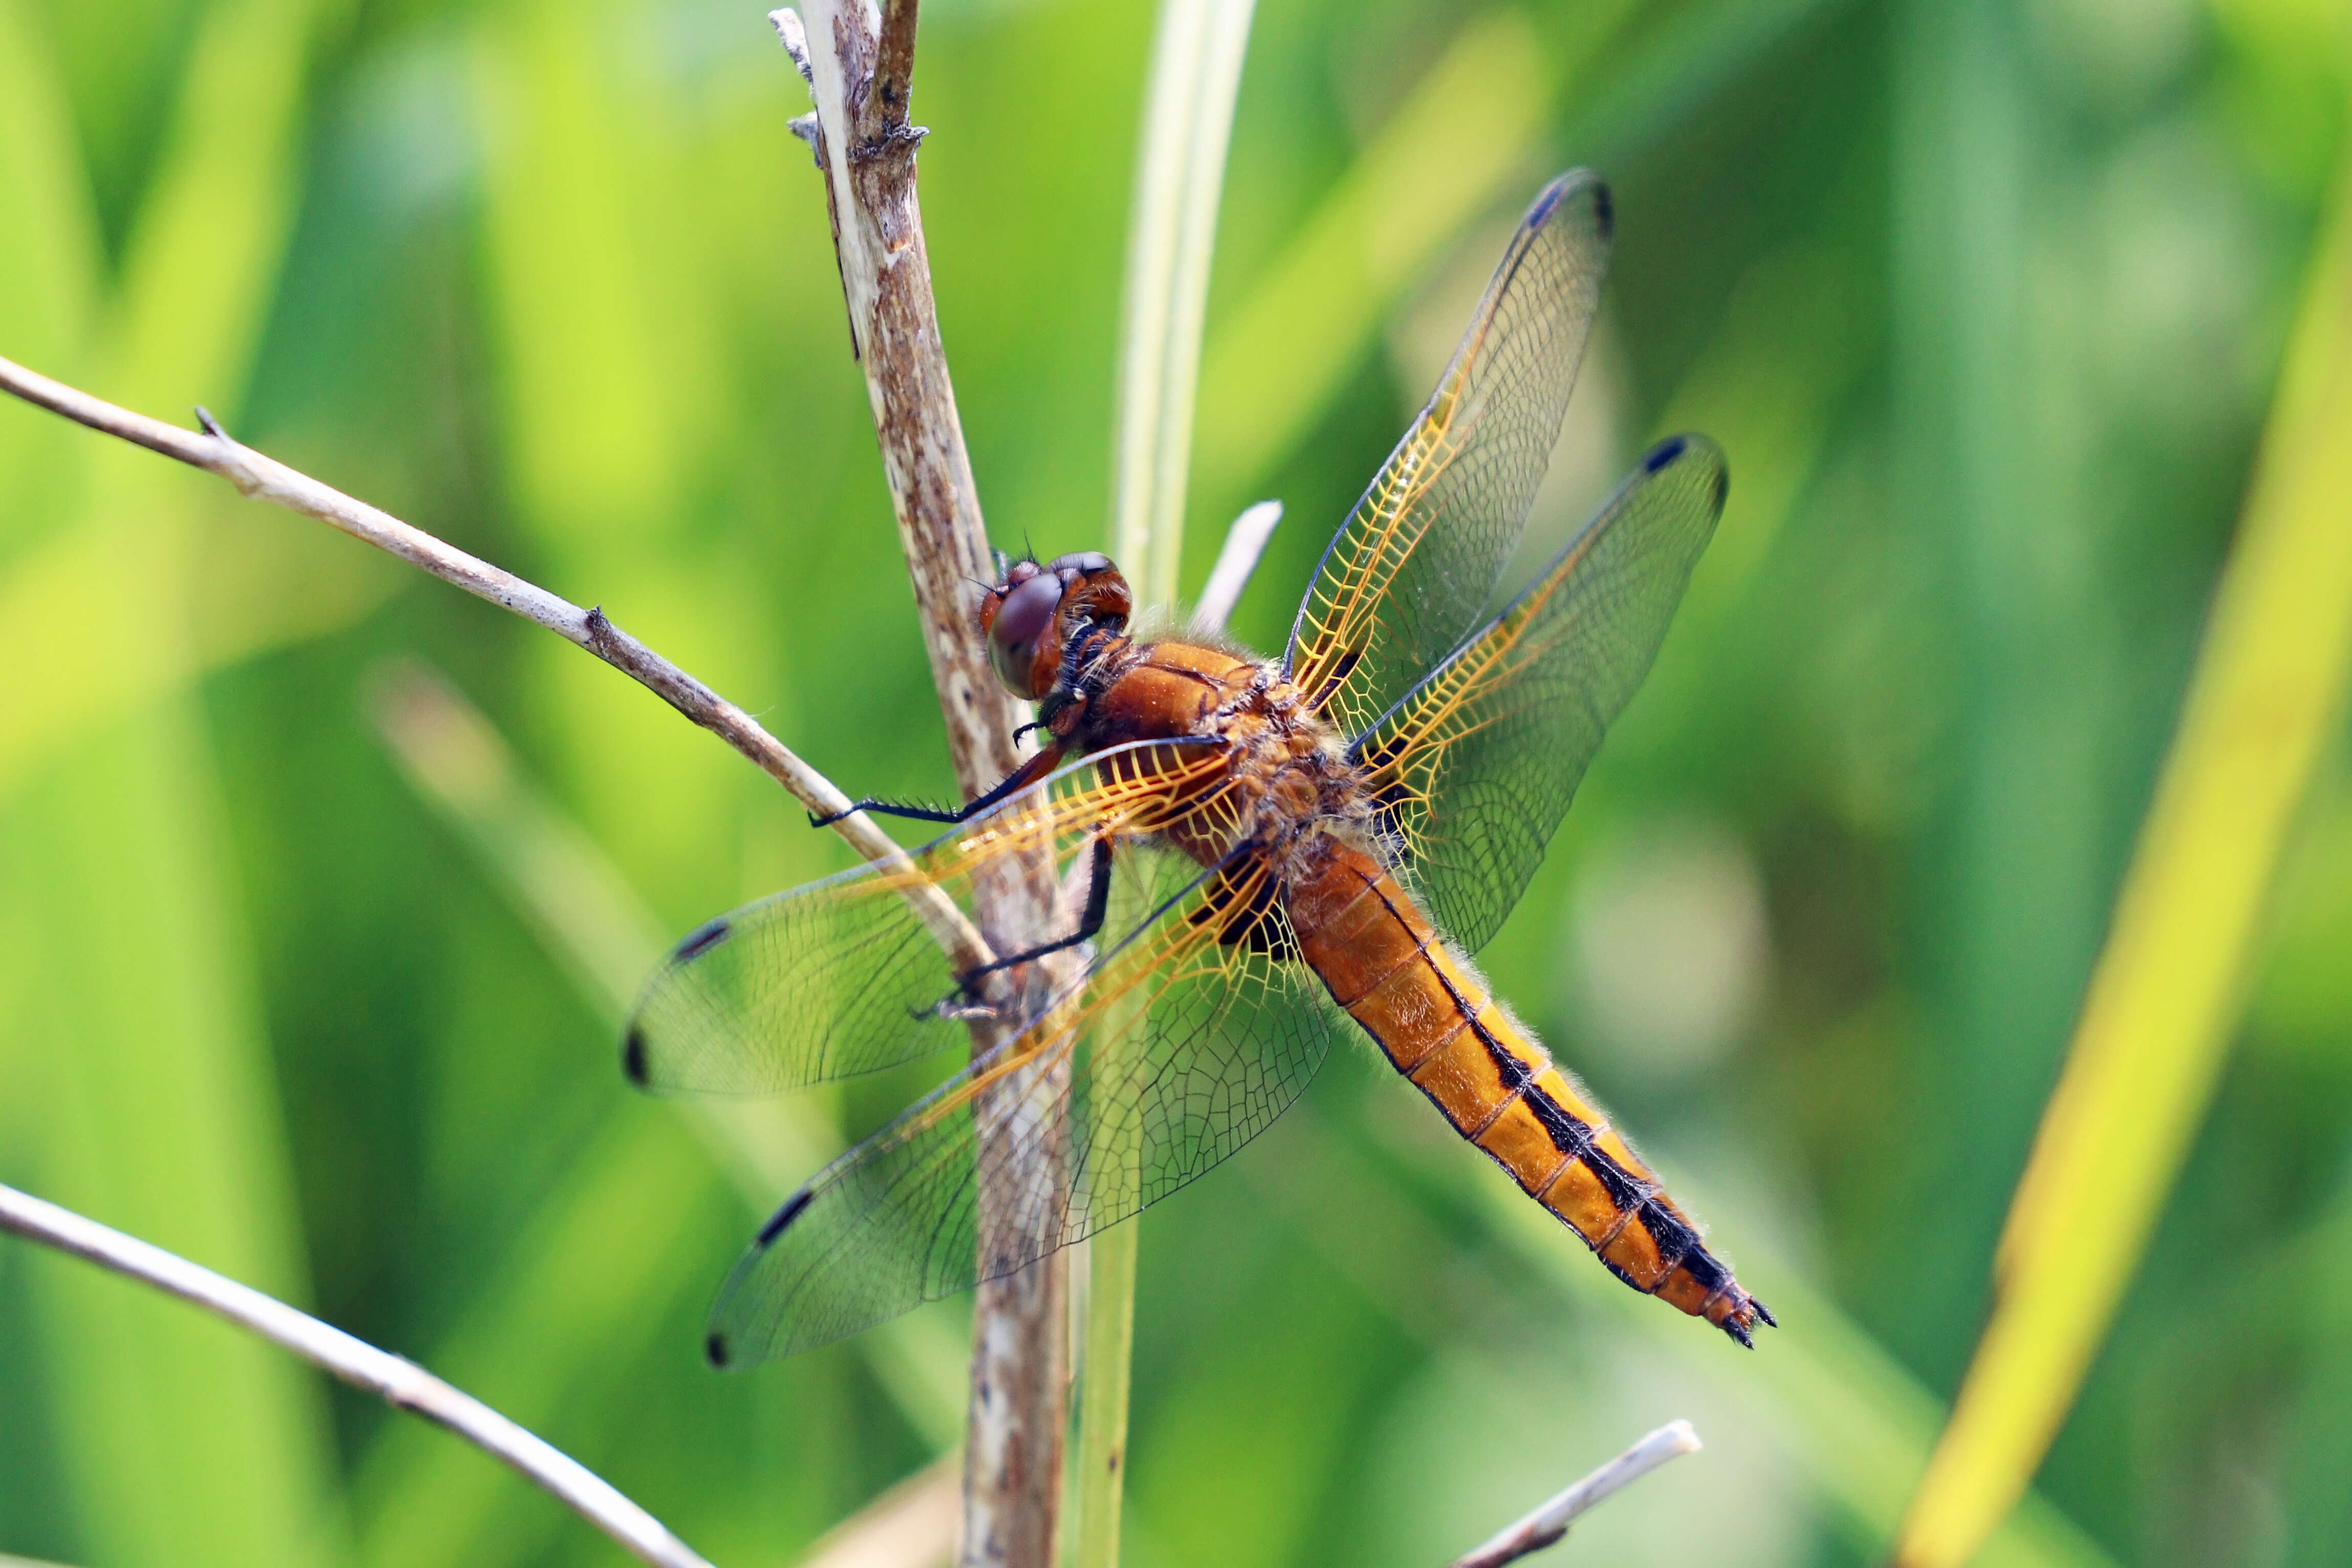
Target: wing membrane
(843, 976)
(1174, 1051)
(1478, 764)
(1419, 558)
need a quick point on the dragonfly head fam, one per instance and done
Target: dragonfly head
(1037, 612)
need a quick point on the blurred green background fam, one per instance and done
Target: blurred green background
(1985, 303)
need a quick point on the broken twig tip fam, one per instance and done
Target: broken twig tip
(210, 426)
(1550, 1522)
(1244, 542)
(794, 37)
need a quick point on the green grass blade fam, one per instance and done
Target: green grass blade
(47, 266)
(2164, 1001)
(623, 1233)
(183, 1445)
(1196, 68)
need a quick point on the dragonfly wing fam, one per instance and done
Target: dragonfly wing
(1174, 1049)
(1478, 764)
(1409, 572)
(827, 981)
(845, 976)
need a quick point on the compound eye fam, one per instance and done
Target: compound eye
(1026, 615)
(1083, 564)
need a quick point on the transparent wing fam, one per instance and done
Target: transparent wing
(1181, 1045)
(845, 976)
(1409, 572)
(1477, 766)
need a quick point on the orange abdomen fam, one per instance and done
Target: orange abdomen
(1382, 962)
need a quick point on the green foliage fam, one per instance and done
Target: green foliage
(1985, 304)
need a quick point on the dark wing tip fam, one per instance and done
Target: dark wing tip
(1548, 200)
(714, 1350)
(1675, 449)
(784, 1216)
(633, 1056)
(701, 938)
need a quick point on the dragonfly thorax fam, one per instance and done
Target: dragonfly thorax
(1281, 778)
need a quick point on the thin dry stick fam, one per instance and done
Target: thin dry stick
(401, 1382)
(1244, 542)
(859, 66)
(261, 478)
(1548, 1523)
(265, 479)
(866, 151)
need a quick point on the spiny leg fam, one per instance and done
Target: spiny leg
(1019, 779)
(1097, 911)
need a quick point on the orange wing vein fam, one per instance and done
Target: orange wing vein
(1417, 560)
(840, 977)
(1477, 765)
(1168, 1054)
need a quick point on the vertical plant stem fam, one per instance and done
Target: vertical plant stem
(1181, 171)
(1196, 69)
(859, 63)
(1105, 1342)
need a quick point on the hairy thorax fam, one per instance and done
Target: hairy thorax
(1283, 780)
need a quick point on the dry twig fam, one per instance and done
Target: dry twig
(1548, 1523)
(858, 64)
(866, 150)
(400, 1382)
(265, 479)
(1244, 542)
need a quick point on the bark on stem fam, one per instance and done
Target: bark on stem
(858, 63)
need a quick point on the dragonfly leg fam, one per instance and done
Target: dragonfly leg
(1019, 779)
(1097, 909)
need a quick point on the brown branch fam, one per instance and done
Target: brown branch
(894, 69)
(265, 479)
(1548, 1523)
(401, 1383)
(858, 63)
(869, 168)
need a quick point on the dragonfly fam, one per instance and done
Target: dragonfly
(1245, 859)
